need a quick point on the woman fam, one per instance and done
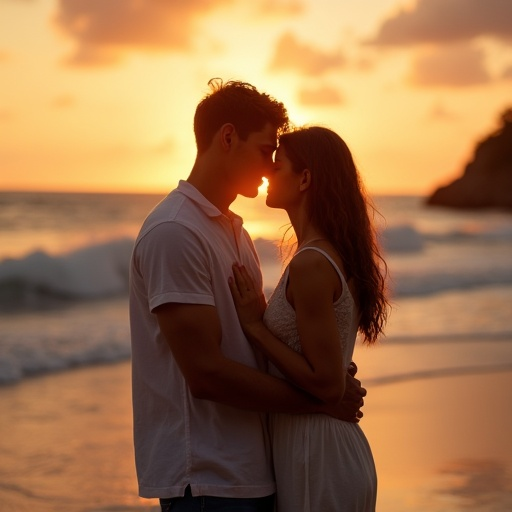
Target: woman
(332, 288)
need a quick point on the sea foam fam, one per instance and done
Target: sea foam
(99, 271)
(92, 272)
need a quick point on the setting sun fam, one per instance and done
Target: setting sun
(262, 189)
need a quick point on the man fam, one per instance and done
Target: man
(199, 397)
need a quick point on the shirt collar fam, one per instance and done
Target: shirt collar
(208, 208)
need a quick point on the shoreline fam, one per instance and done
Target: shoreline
(439, 444)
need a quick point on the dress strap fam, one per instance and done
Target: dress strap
(333, 263)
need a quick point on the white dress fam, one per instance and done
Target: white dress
(321, 464)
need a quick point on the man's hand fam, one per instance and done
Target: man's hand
(353, 399)
(349, 409)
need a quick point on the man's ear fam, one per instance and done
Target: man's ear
(227, 134)
(305, 180)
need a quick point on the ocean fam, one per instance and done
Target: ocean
(437, 413)
(64, 262)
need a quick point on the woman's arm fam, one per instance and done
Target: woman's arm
(319, 370)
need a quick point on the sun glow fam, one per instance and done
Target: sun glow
(114, 104)
(262, 189)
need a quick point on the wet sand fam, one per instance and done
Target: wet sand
(443, 444)
(440, 444)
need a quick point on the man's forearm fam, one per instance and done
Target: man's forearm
(237, 385)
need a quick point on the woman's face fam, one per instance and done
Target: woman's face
(283, 183)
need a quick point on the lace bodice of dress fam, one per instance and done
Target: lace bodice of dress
(280, 317)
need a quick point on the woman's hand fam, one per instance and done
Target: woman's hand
(250, 304)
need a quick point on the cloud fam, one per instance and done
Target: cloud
(106, 29)
(441, 21)
(321, 96)
(453, 65)
(290, 54)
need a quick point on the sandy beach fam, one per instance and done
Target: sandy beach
(443, 444)
(440, 444)
(66, 439)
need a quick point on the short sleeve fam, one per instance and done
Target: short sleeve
(175, 265)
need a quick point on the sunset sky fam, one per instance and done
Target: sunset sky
(99, 95)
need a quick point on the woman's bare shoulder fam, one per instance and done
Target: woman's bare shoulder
(310, 266)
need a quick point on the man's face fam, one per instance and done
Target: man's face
(252, 159)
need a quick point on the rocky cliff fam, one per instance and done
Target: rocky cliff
(487, 179)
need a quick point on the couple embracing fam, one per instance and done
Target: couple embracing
(238, 404)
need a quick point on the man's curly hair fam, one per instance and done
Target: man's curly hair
(240, 104)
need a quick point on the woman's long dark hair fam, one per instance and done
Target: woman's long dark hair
(339, 208)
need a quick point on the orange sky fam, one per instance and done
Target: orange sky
(99, 95)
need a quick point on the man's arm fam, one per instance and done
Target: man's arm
(194, 335)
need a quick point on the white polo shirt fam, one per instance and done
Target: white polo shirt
(184, 253)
